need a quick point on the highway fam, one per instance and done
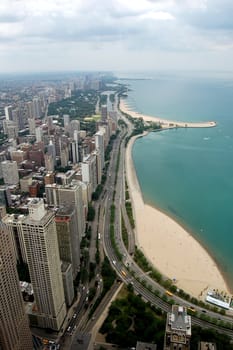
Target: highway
(132, 273)
(125, 267)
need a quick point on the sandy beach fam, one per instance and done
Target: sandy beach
(165, 123)
(168, 246)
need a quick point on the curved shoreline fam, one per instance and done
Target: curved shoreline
(167, 245)
(165, 123)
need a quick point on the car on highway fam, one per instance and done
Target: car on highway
(123, 272)
(169, 293)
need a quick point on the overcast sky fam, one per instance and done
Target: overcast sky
(117, 35)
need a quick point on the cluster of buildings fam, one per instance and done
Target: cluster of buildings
(22, 105)
(43, 216)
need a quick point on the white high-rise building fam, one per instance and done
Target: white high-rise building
(51, 149)
(74, 125)
(8, 112)
(39, 134)
(49, 162)
(89, 171)
(10, 172)
(99, 145)
(74, 148)
(32, 126)
(41, 245)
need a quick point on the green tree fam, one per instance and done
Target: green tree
(90, 213)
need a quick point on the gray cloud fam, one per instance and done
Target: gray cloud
(155, 26)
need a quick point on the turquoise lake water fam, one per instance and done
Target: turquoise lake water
(188, 173)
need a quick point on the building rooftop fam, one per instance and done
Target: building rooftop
(178, 319)
(65, 211)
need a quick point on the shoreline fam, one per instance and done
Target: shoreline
(165, 123)
(178, 255)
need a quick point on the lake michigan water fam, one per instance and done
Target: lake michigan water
(188, 173)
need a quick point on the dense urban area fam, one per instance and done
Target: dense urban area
(71, 274)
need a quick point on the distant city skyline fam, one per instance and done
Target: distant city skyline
(42, 36)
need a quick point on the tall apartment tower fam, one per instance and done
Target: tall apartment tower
(14, 226)
(104, 113)
(178, 329)
(68, 238)
(32, 126)
(74, 148)
(41, 245)
(89, 171)
(74, 125)
(39, 134)
(14, 325)
(66, 195)
(66, 119)
(99, 145)
(8, 112)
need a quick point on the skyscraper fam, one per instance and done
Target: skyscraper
(40, 237)
(66, 119)
(99, 145)
(14, 326)
(68, 238)
(104, 113)
(89, 171)
(8, 112)
(71, 194)
(74, 125)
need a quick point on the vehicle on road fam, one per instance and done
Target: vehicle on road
(190, 308)
(169, 293)
(123, 272)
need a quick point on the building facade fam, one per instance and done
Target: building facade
(14, 325)
(68, 237)
(41, 245)
(10, 172)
